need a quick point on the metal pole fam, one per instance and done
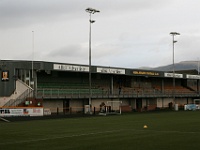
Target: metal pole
(90, 11)
(173, 42)
(32, 51)
(173, 73)
(198, 79)
(90, 36)
(198, 66)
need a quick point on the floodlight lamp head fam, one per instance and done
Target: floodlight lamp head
(95, 10)
(91, 10)
(174, 33)
(92, 21)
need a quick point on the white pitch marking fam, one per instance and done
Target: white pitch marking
(61, 137)
(94, 133)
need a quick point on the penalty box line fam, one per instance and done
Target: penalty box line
(60, 137)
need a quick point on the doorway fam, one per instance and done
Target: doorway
(139, 104)
(66, 106)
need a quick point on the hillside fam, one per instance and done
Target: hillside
(184, 65)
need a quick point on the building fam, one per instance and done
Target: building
(66, 86)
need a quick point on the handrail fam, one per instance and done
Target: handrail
(20, 99)
(97, 93)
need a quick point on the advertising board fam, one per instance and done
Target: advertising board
(23, 111)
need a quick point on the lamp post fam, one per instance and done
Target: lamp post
(32, 51)
(198, 65)
(198, 74)
(173, 42)
(90, 11)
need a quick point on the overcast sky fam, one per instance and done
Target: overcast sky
(127, 33)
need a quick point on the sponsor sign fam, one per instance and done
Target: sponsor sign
(8, 112)
(70, 68)
(149, 73)
(110, 70)
(47, 111)
(171, 75)
(192, 76)
(191, 107)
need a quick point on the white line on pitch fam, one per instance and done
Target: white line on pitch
(95, 133)
(61, 137)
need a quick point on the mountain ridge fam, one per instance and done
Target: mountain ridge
(183, 65)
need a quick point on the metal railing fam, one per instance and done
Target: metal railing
(20, 99)
(98, 93)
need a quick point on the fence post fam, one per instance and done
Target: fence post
(57, 110)
(94, 110)
(70, 110)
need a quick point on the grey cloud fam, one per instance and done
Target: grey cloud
(72, 53)
(26, 12)
(128, 33)
(69, 50)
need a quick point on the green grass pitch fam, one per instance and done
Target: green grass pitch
(166, 131)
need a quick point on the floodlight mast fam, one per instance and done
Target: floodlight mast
(90, 11)
(32, 51)
(173, 42)
(198, 74)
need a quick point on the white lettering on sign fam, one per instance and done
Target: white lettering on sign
(26, 111)
(192, 76)
(110, 70)
(71, 68)
(171, 75)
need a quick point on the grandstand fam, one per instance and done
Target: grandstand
(59, 87)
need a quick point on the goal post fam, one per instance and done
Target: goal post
(113, 107)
